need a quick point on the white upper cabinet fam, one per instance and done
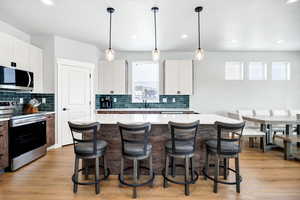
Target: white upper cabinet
(21, 54)
(112, 77)
(6, 49)
(178, 77)
(36, 66)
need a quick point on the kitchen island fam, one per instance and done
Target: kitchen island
(159, 134)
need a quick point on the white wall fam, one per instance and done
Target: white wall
(214, 94)
(9, 29)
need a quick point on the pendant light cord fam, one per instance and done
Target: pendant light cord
(110, 16)
(199, 44)
(155, 29)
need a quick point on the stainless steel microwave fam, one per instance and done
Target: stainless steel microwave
(15, 79)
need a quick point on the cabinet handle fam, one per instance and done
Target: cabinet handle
(1, 135)
(178, 92)
(1, 155)
(111, 92)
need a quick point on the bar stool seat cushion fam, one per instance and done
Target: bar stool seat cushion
(87, 148)
(226, 147)
(181, 146)
(136, 149)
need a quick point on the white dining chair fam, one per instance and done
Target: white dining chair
(279, 113)
(293, 112)
(262, 112)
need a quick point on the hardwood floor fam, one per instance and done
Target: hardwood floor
(265, 176)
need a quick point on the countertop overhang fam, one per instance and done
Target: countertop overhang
(159, 119)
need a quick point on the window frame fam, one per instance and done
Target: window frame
(265, 66)
(242, 69)
(288, 71)
(132, 80)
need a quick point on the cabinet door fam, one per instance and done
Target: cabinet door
(171, 74)
(21, 54)
(106, 78)
(6, 49)
(112, 77)
(4, 157)
(50, 130)
(119, 73)
(185, 77)
(36, 66)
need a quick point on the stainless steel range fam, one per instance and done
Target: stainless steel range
(27, 135)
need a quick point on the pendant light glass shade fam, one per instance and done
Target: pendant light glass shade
(155, 55)
(199, 54)
(109, 55)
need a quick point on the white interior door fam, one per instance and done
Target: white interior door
(75, 87)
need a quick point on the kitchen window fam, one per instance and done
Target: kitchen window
(281, 71)
(257, 71)
(145, 82)
(234, 71)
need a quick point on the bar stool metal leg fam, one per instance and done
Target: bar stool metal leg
(105, 166)
(217, 161)
(75, 185)
(192, 168)
(135, 178)
(206, 164)
(225, 168)
(237, 174)
(166, 170)
(186, 177)
(173, 162)
(97, 185)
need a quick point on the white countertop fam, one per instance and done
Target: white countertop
(207, 119)
(149, 109)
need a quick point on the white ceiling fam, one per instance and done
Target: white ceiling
(226, 24)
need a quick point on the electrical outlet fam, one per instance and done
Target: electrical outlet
(21, 101)
(174, 100)
(44, 100)
(115, 100)
(165, 100)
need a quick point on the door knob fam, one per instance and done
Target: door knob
(65, 109)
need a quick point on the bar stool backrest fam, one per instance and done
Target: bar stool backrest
(81, 131)
(223, 135)
(135, 134)
(183, 132)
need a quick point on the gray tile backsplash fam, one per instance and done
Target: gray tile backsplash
(16, 96)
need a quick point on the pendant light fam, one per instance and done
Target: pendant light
(109, 53)
(199, 53)
(155, 52)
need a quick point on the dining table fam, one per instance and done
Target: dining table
(290, 124)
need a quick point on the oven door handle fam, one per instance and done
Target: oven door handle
(17, 123)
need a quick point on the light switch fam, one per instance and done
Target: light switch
(174, 100)
(21, 100)
(165, 100)
(115, 100)
(44, 100)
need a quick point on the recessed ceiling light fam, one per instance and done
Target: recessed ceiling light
(133, 37)
(280, 41)
(291, 1)
(47, 2)
(184, 36)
